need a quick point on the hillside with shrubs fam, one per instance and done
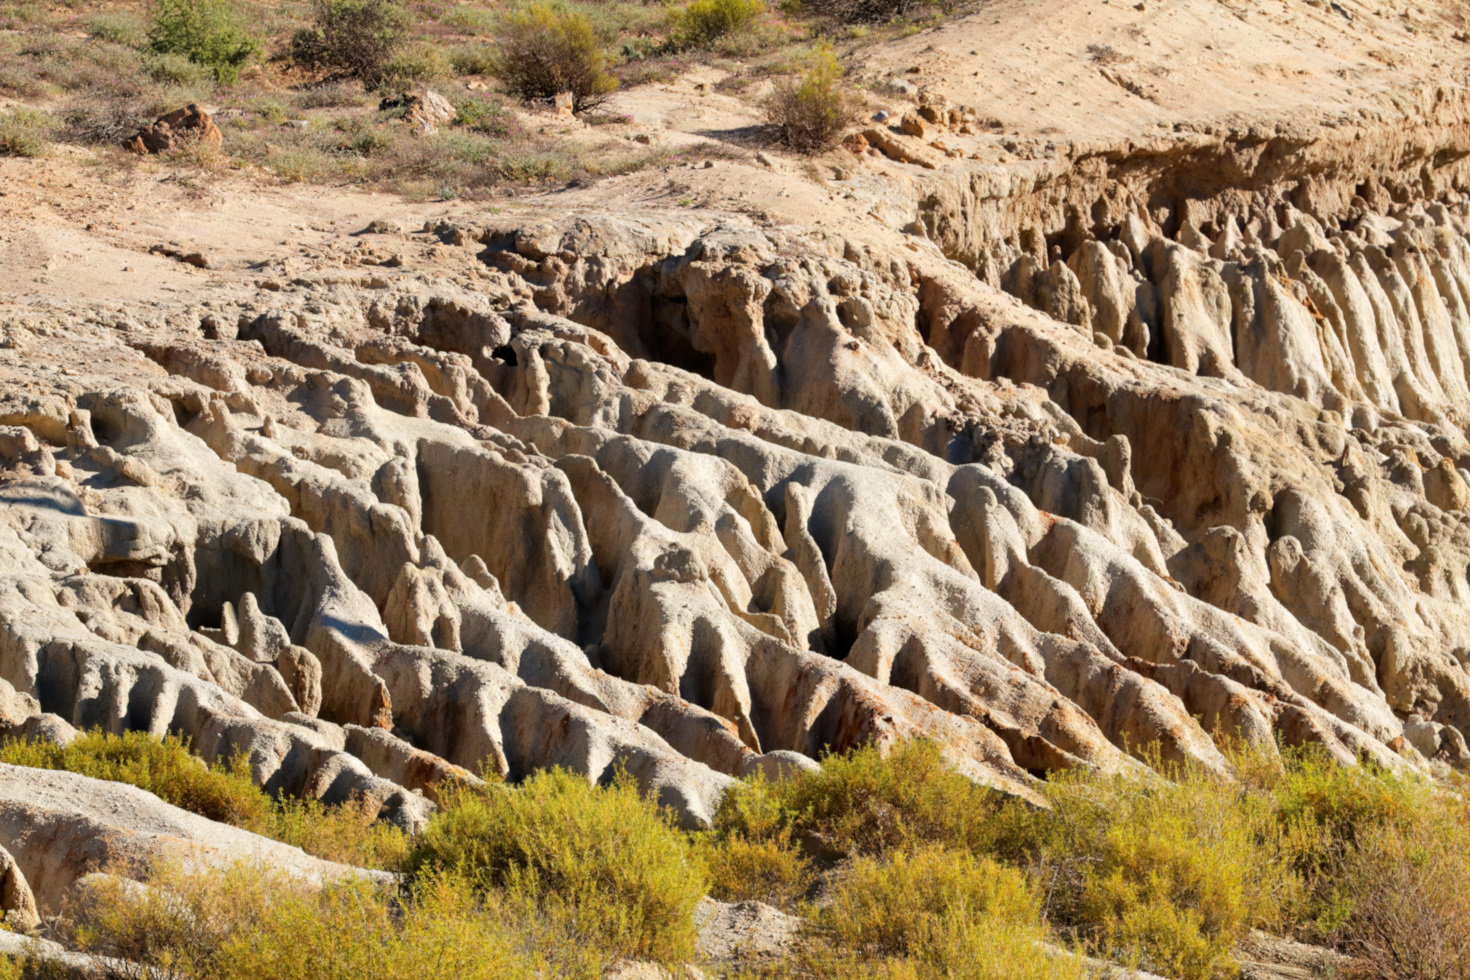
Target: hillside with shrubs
(896, 867)
(311, 93)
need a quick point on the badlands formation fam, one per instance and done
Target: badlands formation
(1059, 429)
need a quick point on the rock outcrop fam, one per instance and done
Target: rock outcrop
(189, 126)
(689, 499)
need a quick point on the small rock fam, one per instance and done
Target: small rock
(384, 226)
(913, 125)
(427, 112)
(196, 259)
(643, 138)
(764, 159)
(880, 116)
(564, 104)
(709, 165)
(190, 124)
(394, 261)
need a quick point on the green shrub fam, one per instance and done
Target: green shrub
(175, 69)
(810, 113)
(297, 163)
(486, 115)
(863, 803)
(371, 141)
(272, 109)
(413, 66)
(544, 50)
(248, 923)
(472, 59)
(705, 21)
(744, 870)
(601, 858)
(357, 37)
(947, 912)
(1386, 862)
(469, 19)
(162, 767)
(119, 28)
(212, 33)
(25, 132)
(1171, 873)
(346, 834)
(332, 95)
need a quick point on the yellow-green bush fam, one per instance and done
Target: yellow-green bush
(601, 858)
(1168, 872)
(162, 767)
(863, 803)
(413, 66)
(472, 59)
(248, 923)
(934, 912)
(811, 112)
(703, 22)
(348, 833)
(25, 132)
(544, 50)
(744, 870)
(165, 768)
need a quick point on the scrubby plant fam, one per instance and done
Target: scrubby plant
(773, 870)
(332, 95)
(106, 120)
(485, 114)
(25, 132)
(869, 11)
(704, 22)
(865, 803)
(469, 19)
(1171, 872)
(473, 59)
(176, 69)
(602, 858)
(545, 50)
(413, 66)
(940, 913)
(356, 37)
(250, 923)
(118, 28)
(212, 33)
(811, 112)
(1409, 913)
(348, 833)
(164, 767)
